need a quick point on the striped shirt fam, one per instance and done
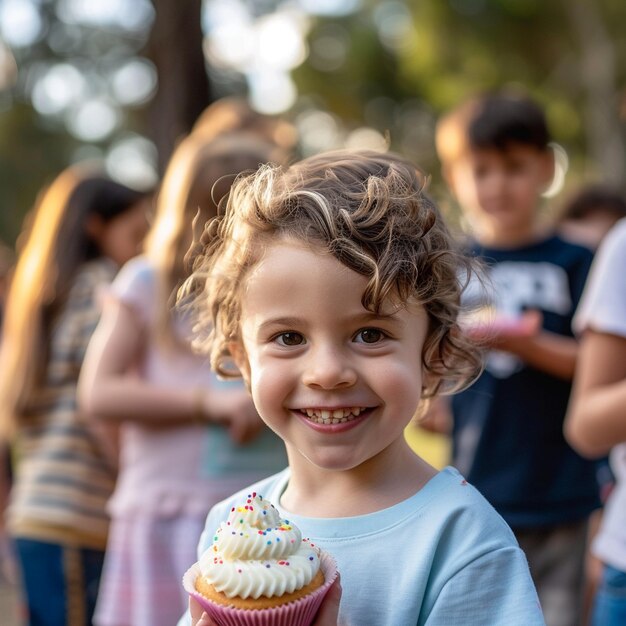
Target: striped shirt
(63, 479)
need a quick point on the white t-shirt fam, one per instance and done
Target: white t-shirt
(173, 471)
(603, 309)
(441, 557)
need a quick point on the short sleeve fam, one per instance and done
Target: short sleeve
(495, 589)
(135, 286)
(603, 305)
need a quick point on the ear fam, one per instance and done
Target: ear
(548, 168)
(240, 358)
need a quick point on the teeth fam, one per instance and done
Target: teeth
(336, 416)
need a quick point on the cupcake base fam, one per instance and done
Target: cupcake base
(209, 592)
(299, 611)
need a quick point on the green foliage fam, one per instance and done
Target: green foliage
(448, 50)
(31, 154)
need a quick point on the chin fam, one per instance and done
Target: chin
(334, 462)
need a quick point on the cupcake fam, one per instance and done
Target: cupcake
(260, 571)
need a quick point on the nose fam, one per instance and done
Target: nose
(495, 184)
(328, 367)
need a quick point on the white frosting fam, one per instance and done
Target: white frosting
(256, 553)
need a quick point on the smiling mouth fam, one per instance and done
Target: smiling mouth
(332, 416)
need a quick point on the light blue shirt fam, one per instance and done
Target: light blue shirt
(443, 557)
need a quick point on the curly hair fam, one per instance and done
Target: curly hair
(368, 210)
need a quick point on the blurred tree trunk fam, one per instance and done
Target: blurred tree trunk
(175, 47)
(599, 79)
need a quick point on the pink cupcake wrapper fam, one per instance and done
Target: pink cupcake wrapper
(297, 613)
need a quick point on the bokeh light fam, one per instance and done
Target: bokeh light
(93, 120)
(20, 22)
(329, 48)
(60, 87)
(318, 130)
(132, 160)
(394, 24)
(271, 92)
(131, 15)
(280, 41)
(330, 8)
(365, 138)
(135, 82)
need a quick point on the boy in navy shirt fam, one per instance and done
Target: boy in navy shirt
(507, 427)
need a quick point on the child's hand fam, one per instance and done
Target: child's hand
(198, 616)
(326, 616)
(508, 336)
(234, 409)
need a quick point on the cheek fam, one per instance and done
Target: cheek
(526, 186)
(269, 385)
(400, 382)
(119, 244)
(468, 189)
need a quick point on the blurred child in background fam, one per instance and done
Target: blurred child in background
(596, 420)
(84, 228)
(507, 433)
(7, 561)
(586, 219)
(6, 265)
(234, 114)
(590, 214)
(188, 440)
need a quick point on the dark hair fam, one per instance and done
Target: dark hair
(594, 198)
(96, 195)
(500, 120)
(56, 245)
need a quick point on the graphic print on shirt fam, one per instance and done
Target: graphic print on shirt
(512, 288)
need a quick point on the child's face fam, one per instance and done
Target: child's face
(336, 382)
(499, 190)
(590, 230)
(120, 239)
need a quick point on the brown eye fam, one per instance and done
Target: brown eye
(290, 339)
(369, 335)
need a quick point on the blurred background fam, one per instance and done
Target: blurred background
(123, 80)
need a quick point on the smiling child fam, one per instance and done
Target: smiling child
(334, 286)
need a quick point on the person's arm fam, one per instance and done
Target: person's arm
(546, 351)
(551, 353)
(109, 390)
(596, 418)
